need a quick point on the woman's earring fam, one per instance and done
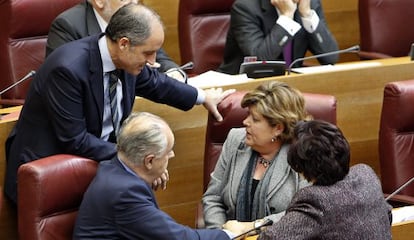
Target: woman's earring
(273, 139)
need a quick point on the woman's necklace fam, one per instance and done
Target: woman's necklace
(265, 162)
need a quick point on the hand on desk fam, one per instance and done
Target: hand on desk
(238, 228)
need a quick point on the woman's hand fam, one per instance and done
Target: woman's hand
(237, 227)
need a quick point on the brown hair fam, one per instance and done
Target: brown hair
(279, 104)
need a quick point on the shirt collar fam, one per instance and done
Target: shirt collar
(102, 23)
(127, 168)
(107, 63)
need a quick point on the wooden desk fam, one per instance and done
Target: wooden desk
(403, 230)
(8, 220)
(359, 93)
(399, 231)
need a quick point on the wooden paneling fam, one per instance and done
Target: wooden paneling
(8, 219)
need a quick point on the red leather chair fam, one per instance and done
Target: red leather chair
(396, 137)
(319, 106)
(202, 27)
(383, 28)
(24, 27)
(50, 191)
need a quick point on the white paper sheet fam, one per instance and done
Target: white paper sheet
(402, 214)
(328, 68)
(216, 79)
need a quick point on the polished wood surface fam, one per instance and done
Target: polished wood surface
(359, 93)
(403, 230)
(399, 231)
(8, 220)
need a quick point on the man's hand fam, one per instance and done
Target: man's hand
(213, 97)
(304, 8)
(285, 7)
(161, 181)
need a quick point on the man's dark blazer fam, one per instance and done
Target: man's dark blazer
(63, 109)
(120, 205)
(80, 21)
(253, 32)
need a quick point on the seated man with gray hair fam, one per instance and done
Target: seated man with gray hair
(119, 203)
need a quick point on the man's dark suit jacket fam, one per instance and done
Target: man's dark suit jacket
(253, 32)
(80, 21)
(63, 109)
(120, 205)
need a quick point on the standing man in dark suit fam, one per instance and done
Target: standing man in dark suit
(119, 202)
(91, 17)
(68, 110)
(281, 30)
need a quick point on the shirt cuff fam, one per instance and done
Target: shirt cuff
(288, 24)
(201, 96)
(311, 23)
(230, 234)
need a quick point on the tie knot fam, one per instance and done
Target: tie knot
(114, 76)
(115, 72)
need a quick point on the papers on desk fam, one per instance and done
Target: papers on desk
(402, 214)
(329, 68)
(216, 79)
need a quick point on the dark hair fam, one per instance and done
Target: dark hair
(320, 152)
(133, 21)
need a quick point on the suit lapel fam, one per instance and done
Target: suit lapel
(128, 90)
(92, 26)
(96, 76)
(280, 172)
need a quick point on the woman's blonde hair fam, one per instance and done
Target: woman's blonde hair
(279, 104)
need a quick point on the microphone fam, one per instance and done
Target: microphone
(348, 50)
(29, 75)
(266, 223)
(187, 66)
(399, 189)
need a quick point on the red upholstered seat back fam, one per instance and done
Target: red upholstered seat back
(24, 28)
(396, 137)
(50, 191)
(202, 27)
(319, 106)
(381, 27)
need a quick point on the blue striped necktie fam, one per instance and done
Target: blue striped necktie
(113, 82)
